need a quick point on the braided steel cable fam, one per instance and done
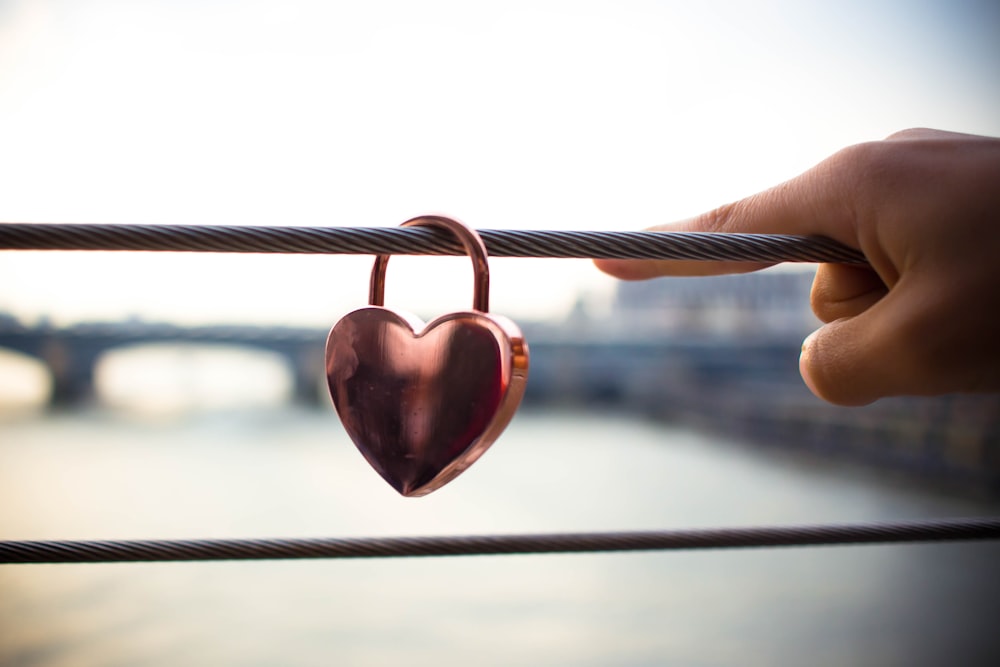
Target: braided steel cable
(426, 241)
(429, 241)
(272, 549)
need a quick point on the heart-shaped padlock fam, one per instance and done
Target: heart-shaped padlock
(422, 403)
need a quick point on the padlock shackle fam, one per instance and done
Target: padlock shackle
(474, 247)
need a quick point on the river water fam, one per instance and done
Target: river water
(278, 471)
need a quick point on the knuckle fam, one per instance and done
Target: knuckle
(822, 307)
(911, 133)
(843, 291)
(871, 171)
(722, 218)
(861, 159)
(738, 216)
(819, 295)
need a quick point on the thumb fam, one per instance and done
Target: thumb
(882, 351)
(833, 365)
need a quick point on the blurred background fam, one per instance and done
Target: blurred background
(158, 395)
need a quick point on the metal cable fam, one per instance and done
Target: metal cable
(426, 241)
(381, 547)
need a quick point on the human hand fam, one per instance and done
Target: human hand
(924, 318)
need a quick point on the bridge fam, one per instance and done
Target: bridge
(748, 386)
(71, 353)
(564, 365)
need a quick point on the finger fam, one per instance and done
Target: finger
(841, 290)
(839, 364)
(886, 350)
(642, 269)
(817, 202)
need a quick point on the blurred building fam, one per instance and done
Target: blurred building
(721, 353)
(759, 305)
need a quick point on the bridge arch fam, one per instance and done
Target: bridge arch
(72, 356)
(25, 381)
(167, 377)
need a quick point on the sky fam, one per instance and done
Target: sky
(535, 115)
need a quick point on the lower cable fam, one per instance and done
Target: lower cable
(65, 551)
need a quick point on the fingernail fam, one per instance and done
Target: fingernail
(804, 365)
(807, 343)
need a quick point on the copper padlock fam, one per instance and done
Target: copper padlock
(423, 402)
